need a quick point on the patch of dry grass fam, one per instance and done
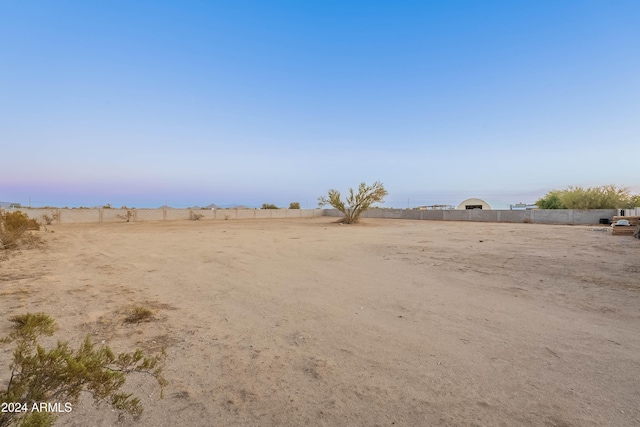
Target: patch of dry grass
(138, 314)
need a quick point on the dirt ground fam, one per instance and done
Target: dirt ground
(308, 322)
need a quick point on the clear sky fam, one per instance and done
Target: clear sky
(140, 103)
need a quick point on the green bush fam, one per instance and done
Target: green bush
(62, 374)
(294, 205)
(551, 201)
(269, 206)
(604, 197)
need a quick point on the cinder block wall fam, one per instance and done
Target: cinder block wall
(536, 216)
(72, 216)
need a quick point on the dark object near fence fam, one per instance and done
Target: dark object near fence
(606, 221)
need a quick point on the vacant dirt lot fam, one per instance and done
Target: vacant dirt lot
(307, 322)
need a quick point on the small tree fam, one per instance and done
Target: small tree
(294, 205)
(269, 206)
(356, 203)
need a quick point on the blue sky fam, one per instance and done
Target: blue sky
(251, 102)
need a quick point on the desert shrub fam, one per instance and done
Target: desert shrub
(269, 206)
(127, 216)
(10, 239)
(357, 202)
(61, 374)
(13, 227)
(31, 325)
(139, 314)
(195, 216)
(19, 220)
(31, 240)
(294, 205)
(48, 219)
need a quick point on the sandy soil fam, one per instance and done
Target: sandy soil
(308, 322)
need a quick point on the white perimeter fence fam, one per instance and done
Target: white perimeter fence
(70, 216)
(536, 216)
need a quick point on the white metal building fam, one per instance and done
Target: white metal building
(473, 203)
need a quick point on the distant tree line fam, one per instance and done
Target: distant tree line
(604, 197)
(292, 205)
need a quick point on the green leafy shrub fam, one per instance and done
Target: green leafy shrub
(551, 201)
(604, 197)
(269, 206)
(294, 205)
(61, 374)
